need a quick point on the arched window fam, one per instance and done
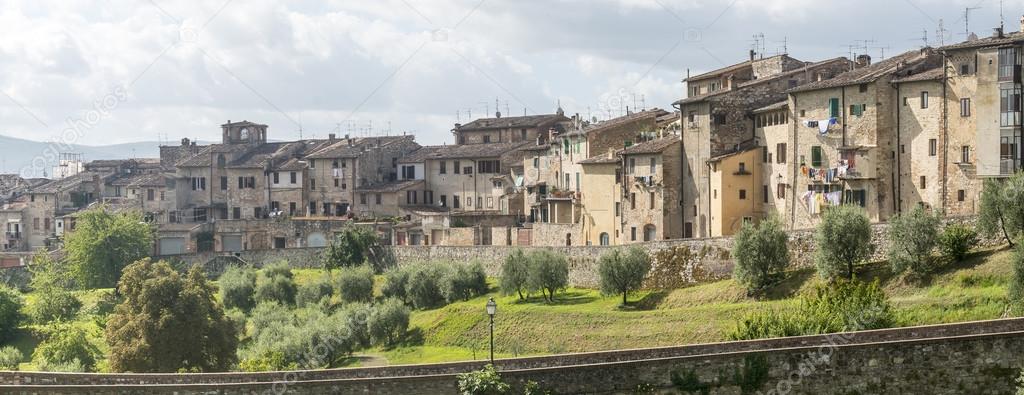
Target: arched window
(605, 240)
(243, 134)
(650, 233)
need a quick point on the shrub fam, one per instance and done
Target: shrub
(761, 255)
(623, 272)
(395, 283)
(237, 286)
(515, 274)
(354, 246)
(1016, 292)
(10, 315)
(843, 240)
(956, 241)
(482, 382)
(462, 282)
(424, 288)
(356, 284)
(310, 339)
(10, 357)
(388, 322)
(549, 272)
(842, 306)
(55, 305)
(912, 238)
(266, 316)
(65, 345)
(356, 317)
(276, 284)
(314, 291)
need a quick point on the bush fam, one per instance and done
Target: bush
(842, 306)
(549, 272)
(309, 339)
(10, 357)
(356, 284)
(462, 282)
(354, 246)
(314, 291)
(395, 283)
(388, 322)
(10, 315)
(237, 286)
(482, 382)
(956, 241)
(623, 272)
(912, 239)
(843, 240)
(424, 288)
(1016, 292)
(515, 274)
(65, 345)
(356, 317)
(761, 255)
(276, 284)
(55, 305)
(266, 316)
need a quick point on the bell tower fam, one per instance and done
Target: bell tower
(244, 132)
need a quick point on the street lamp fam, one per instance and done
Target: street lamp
(492, 308)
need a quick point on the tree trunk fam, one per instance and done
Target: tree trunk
(624, 297)
(520, 294)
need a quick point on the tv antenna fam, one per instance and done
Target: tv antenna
(941, 32)
(967, 19)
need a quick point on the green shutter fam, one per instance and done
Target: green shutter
(816, 156)
(833, 107)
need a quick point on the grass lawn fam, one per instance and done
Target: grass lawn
(581, 320)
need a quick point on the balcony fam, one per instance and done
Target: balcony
(13, 235)
(860, 163)
(1007, 167)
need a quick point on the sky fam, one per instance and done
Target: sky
(117, 71)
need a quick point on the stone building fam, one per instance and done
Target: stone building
(715, 121)
(507, 129)
(651, 191)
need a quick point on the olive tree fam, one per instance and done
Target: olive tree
(912, 239)
(843, 240)
(623, 272)
(761, 254)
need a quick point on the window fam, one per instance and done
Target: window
(35, 223)
(479, 202)
(1009, 107)
(46, 224)
(764, 194)
(487, 139)
(312, 164)
(651, 201)
(291, 208)
(236, 213)
(604, 239)
(632, 201)
(924, 183)
(933, 147)
(246, 182)
(764, 155)
(334, 164)
(444, 200)
(857, 197)
(906, 101)
(965, 154)
(719, 119)
(780, 191)
(456, 166)
(312, 184)
(924, 99)
(965, 107)
(362, 198)
(743, 168)
(863, 88)
(223, 183)
(858, 109)
(965, 69)
(444, 168)
(632, 233)
(488, 167)
(618, 209)
(455, 201)
(1007, 63)
(816, 156)
(833, 107)
(536, 162)
(691, 117)
(743, 194)
(257, 212)
(650, 233)
(652, 166)
(293, 177)
(150, 195)
(780, 153)
(632, 166)
(276, 178)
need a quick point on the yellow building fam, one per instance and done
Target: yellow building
(736, 195)
(602, 199)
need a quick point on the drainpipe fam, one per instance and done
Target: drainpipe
(945, 134)
(898, 187)
(796, 171)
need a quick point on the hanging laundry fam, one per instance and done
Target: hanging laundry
(823, 125)
(811, 124)
(834, 198)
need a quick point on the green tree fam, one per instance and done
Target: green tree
(623, 272)
(65, 345)
(912, 239)
(1001, 209)
(237, 287)
(463, 281)
(52, 287)
(103, 243)
(549, 273)
(515, 274)
(482, 382)
(843, 240)
(276, 283)
(10, 311)
(388, 322)
(314, 291)
(356, 284)
(956, 241)
(761, 254)
(396, 281)
(355, 245)
(169, 322)
(10, 358)
(424, 288)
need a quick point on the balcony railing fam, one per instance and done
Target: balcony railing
(13, 235)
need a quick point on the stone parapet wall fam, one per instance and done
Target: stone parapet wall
(981, 356)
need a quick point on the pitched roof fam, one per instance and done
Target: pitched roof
(67, 183)
(614, 122)
(351, 148)
(395, 186)
(651, 147)
(601, 160)
(933, 74)
(905, 62)
(471, 151)
(717, 72)
(772, 107)
(527, 121)
(759, 81)
(420, 155)
(990, 41)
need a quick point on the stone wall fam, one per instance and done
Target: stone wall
(976, 357)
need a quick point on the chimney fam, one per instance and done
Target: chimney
(330, 137)
(184, 141)
(998, 32)
(497, 114)
(863, 60)
(752, 53)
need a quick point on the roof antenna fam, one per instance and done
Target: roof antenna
(967, 19)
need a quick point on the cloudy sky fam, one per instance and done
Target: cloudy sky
(112, 71)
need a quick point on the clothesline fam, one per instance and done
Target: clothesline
(828, 175)
(817, 201)
(822, 125)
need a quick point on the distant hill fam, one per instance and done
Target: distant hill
(17, 154)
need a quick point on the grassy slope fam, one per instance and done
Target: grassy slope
(583, 320)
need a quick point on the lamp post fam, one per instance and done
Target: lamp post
(492, 308)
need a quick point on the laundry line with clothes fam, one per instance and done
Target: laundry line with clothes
(817, 201)
(828, 175)
(822, 125)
